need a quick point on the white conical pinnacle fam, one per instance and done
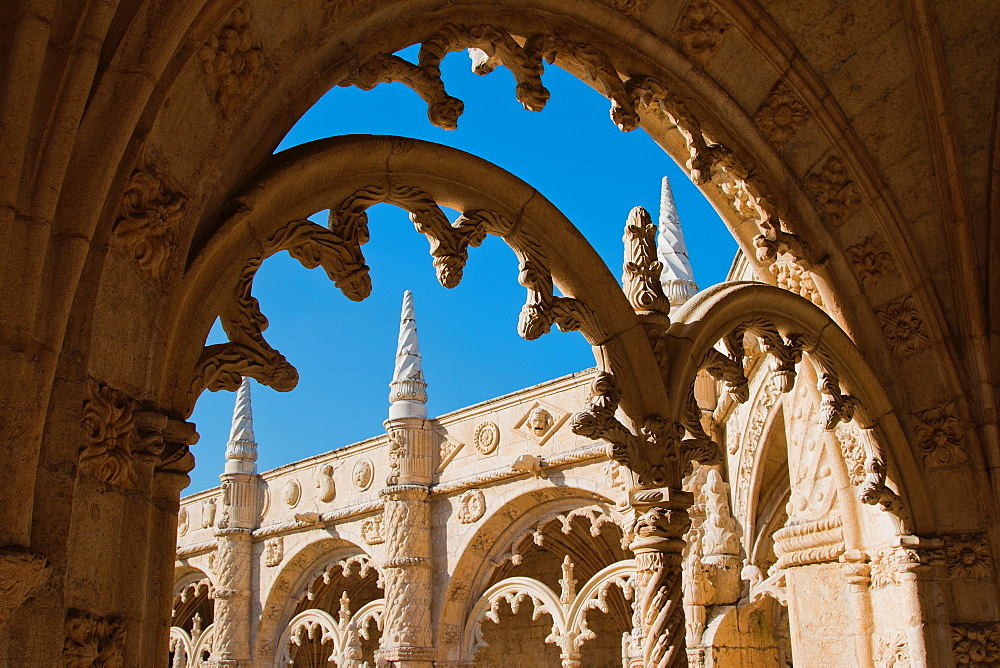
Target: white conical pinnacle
(677, 276)
(241, 451)
(408, 390)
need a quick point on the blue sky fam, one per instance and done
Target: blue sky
(571, 152)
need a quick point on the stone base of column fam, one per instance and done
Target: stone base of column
(406, 657)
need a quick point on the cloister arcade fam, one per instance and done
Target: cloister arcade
(851, 151)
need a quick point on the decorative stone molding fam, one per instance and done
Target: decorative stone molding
(781, 114)
(373, 530)
(324, 483)
(641, 272)
(902, 326)
(793, 277)
(274, 551)
(912, 553)
(891, 651)
(976, 645)
(701, 29)
(363, 474)
(471, 506)
(751, 442)
(110, 435)
(292, 493)
(940, 436)
(833, 190)
(849, 437)
(872, 260)
(148, 219)
(486, 438)
(92, 640)
(968, 555)
(208, 511)
(814, 542)
(540, 422)
(234, 61)
(21, 573)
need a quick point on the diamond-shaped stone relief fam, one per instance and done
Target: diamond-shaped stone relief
(448, 447)
(540, 422)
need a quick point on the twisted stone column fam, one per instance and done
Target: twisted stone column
(657, 638)
(231, 646)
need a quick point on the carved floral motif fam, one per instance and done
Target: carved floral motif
(110, 436)
(234, 61)
(940, 435)
(487, 437)
(872, 261)
(148, 219)
(968, 555)
(891, 651)
(781, 114)
(641, 270)
(795, 278)
(833, 190)
(701, 29)
(902, 326)
(93, 641)
(976, 645)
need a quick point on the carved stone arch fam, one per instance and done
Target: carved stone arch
(850, 388)
(592, 594)
(480, 553)
(512, 591)
(347, 174)
(296, 573)
(634, 52)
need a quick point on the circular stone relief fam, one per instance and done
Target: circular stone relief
(183, 521)
(487, 437)
(363, 474)
(292, 493)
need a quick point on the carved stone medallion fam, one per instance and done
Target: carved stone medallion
(540, 423)
(324, 483)
(471, 506)
(183, 521)
(487, 437)
(292, 493)
(363, 474)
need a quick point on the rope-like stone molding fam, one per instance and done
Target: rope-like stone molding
(197, 548)
(809, 543)
(322, 520)
(579, 455)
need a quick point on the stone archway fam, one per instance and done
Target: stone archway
(86, 330)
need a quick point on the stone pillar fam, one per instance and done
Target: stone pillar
(407, 638)
(657, 638)
(234, 563)
(170, 477)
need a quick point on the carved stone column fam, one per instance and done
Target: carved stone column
(233, 564)
(407, 639)
(170, 477)
(657, 638)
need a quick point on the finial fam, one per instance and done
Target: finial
(408, 390)
(677, 276)
(241, 451)
(641, 270)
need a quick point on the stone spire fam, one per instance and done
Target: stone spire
(677, 277)
(408, 390)
(241, 451)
